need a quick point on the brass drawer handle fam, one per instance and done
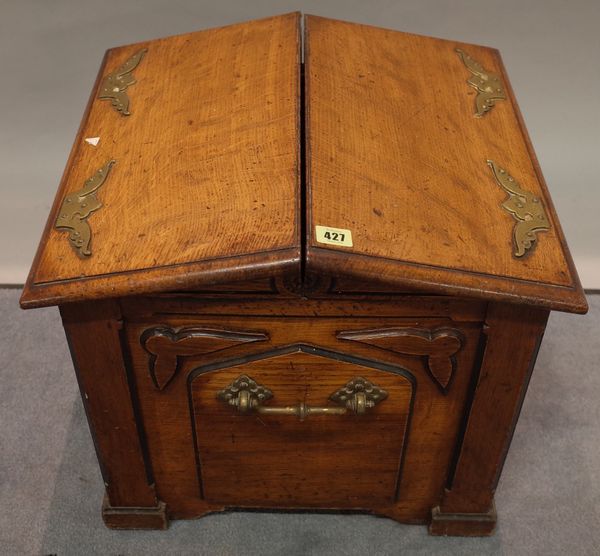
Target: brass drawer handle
(247, 396)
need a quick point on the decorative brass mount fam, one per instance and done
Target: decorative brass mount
(526, 208)
(247, 396)
(114, 84)
(488, 85)
(77, 207)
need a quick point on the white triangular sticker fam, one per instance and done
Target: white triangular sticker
(93, 140)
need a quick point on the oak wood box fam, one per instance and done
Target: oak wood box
(303, 273)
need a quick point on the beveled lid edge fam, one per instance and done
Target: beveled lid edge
(444, 281)
(163, 279)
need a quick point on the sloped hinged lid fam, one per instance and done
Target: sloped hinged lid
(418, 159)
(419, 172)
(204, 132)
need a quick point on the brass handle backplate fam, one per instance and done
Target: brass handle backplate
(247, 396)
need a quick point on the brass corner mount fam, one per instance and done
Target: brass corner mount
(526, 208)
(77, 207)
(488, 85)
(114, 85)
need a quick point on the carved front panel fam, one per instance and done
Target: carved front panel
(300, 444)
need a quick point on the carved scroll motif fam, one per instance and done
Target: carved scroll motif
(438, 347)
(167, 346)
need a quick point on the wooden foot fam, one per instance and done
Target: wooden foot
(463, 525)
(134, 518)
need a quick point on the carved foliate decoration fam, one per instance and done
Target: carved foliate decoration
(488, 85)
(307, 285)
(77, 207)
(526, 208)
(438, 347)
(114, 84)
(167, 346)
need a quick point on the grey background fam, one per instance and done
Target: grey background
(50, 52)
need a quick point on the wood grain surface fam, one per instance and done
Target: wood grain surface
(498, 396)
(323, 461)
(434, 427)
(107, 397)
(206, 185)
(207, 166)
(396, 156)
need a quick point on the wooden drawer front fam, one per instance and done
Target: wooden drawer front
(350, 460)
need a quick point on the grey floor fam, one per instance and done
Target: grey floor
(548, 500)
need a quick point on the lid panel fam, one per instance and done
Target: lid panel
(398, 157)
(206, 165)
